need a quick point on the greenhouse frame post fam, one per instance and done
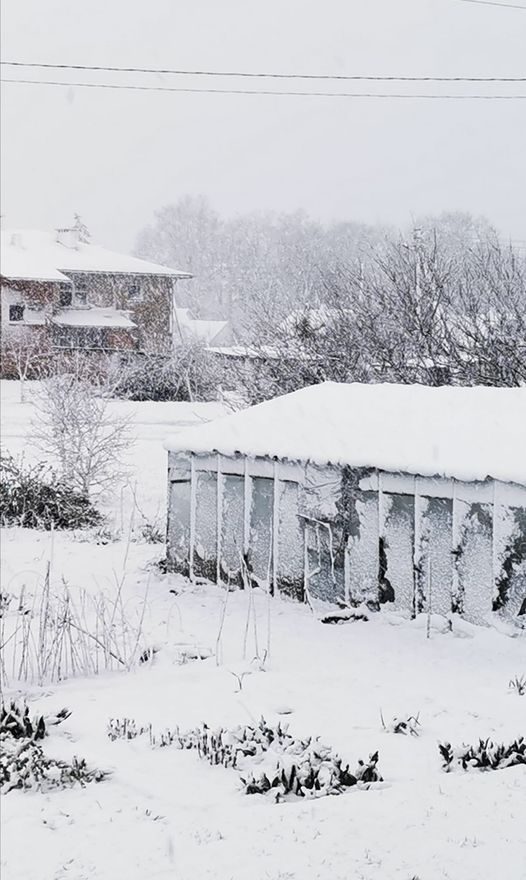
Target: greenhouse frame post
(417, 545)
(247, 502)
(193, 506)
(381, 522)
(455, 541)
(219, 519)
(494, 550)
(275, 530)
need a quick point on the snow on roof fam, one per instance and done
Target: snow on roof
(466, 433)
(264, 352)
(92, 317)
(196, 328)
(38, 256)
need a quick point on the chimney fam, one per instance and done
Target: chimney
(68, 237)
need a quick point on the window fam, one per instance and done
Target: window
(81, 290)
(134, 290)
(16, 313)
(64, 296)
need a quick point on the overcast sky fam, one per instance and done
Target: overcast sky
(116, 156)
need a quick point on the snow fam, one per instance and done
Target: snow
(165, 814)
(93, 317)
(36, 255)
(264, 352)
(145, 485)
(464, 433)
(196, 328)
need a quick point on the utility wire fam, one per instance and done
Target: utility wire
(492, 3)
(213, 91)
(260, 75)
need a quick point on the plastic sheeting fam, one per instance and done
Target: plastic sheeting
(205, 548)
(179, 524)
(261, 519)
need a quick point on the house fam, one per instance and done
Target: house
(210, 333)
(76, 295)
(409, 495)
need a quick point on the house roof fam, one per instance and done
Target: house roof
(264, 352)
(196, 328)
(38, 256)
(92, 317)
(465, 433)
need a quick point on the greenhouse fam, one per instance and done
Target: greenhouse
(408, 495)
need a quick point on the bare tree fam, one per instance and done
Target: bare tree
(75, 427)
(25, 354)
(413, 308)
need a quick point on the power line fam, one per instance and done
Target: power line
(492, 3)
(261, 75)
(291, 94)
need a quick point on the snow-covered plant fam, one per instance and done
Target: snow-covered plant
(74, 425)
(35, 497)
(151, 533)
(405, 724)
(518, 684)
(25, 354)
(63, 631)
(23, 763)
(486, 755)
(267, 757)
(189, 373)
(315, 772)
(339, 617)
(15, 721)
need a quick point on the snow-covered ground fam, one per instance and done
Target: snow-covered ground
(164, 813)
(144, 490)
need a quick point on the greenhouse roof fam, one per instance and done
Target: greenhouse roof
(464, 433)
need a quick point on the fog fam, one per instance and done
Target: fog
(116, 156)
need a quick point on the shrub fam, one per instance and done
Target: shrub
(191, 373)
(75, 425)
(23, 764)
(15, 721)
(314, 772)
(268, 758)
(35, 498)
(484, 756)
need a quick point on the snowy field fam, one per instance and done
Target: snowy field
(144, 490)
(165, 814)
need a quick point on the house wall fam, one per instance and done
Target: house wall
(343, 534)
(36, 297)
(147, 299)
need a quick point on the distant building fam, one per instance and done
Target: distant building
(78, 296)
(411, 496)
(210, 333)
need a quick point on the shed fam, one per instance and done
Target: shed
(408, 495)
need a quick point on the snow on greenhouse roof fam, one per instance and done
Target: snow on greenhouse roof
(38, 256)
(466, 433)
